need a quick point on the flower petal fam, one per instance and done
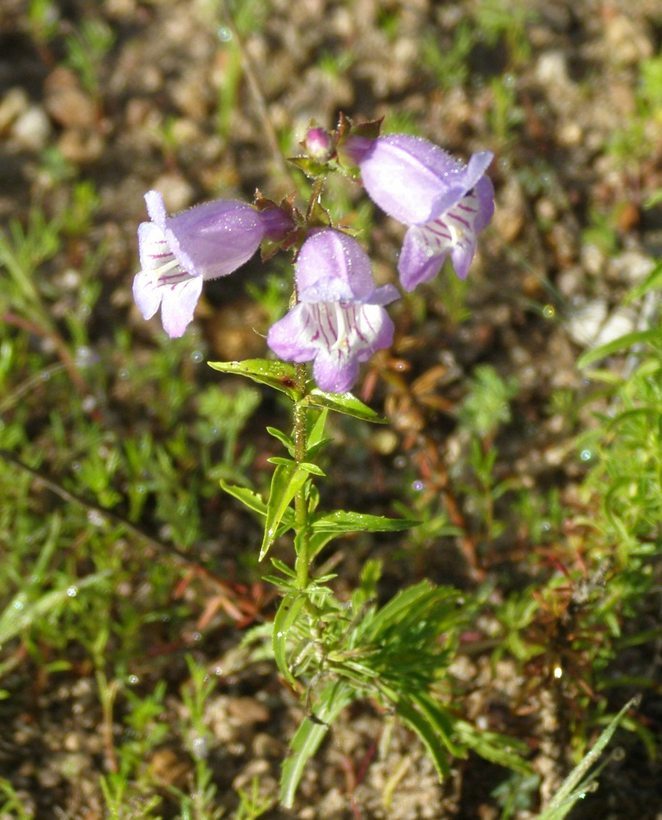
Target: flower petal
(406, 176)
(146, 293)
(178, 305)
(418, 262)
(484, 191)
(215, 238)
(156, 208)
(332, 267)
(334, 374)
(462, 256)
(292, 337)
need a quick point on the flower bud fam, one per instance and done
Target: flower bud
(319, 144)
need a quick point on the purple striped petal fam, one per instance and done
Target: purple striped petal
(339, 321)
(177, 253)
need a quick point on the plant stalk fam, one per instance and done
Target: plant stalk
(300, 501)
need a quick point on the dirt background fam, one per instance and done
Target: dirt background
(543, 288)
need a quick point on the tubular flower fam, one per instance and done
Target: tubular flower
(340, 320)
(178, 253)
(444, 202)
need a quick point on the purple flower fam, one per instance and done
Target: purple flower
(177, 253)
(445, 203)
(340, 319)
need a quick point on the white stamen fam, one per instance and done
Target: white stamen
(169, 265)
(343, 328)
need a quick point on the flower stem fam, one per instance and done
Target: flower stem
(300, 501)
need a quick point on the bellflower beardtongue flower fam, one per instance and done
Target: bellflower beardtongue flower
(177, 253)
(340, 319)
(445, 203)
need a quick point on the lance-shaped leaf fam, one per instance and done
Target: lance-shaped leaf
(345, 403)
(253, 501)
(286, 617)
(342, 521)
(279, 375)
(286, 482)
(306, 741)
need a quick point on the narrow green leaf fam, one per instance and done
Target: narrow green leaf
(281, 566)
(622, 343)
(286, 462)
(311, 468)
(345, 403)
(440, 720)
(652, 282)
(306, 741)
(316, 434)
(284, 439)
(342, 521)
(249, 498)
(399, 606)
(317, 541)
(287, 614)
(570, 790)
(286, 482)
(254, 502)
(426, 731)
(21, 614)
(279, 375)
(499, 749)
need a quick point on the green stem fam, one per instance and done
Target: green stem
(300, 502)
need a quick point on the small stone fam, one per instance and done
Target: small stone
(32, 129)
(71, 742)
(586, 321)
(176, 191)
(81, 147)
(12, 105)
(509, 216)
(631, 267)
(248, 710)
(570, 134)
(66, 102)
(621, 321)
(626, 43)
(552, 69)
(570, 281)
(593, 259)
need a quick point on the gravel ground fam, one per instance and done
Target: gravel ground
(543, 289)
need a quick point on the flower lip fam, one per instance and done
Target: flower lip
(339, 320)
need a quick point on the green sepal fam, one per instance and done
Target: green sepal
(284, 439)
(345, 403)
(286, 482)
(279, 375)
(286, 617)
(343, 521)
(312, 168)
